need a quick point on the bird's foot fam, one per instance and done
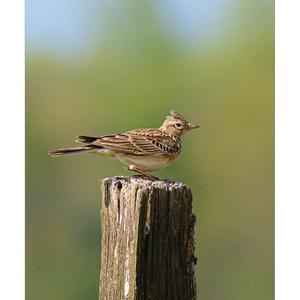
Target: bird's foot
(142, 173)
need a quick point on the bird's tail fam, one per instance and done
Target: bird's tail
(74, 150)
(86, 139)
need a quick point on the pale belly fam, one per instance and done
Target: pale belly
(145, 163)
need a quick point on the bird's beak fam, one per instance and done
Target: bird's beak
(192, 126)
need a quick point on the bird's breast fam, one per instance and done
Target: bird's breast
(145, 163)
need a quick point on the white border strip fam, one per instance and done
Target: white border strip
(287, 150)
(12, 209)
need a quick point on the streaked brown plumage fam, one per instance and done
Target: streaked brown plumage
(141, 150)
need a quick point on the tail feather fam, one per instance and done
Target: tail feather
(75, 150)
(86, 139)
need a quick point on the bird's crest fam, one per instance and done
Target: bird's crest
(175, 115)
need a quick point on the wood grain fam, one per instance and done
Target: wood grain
(147, 248)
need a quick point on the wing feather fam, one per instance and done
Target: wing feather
(140, 142)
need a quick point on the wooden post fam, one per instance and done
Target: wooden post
(147, 240)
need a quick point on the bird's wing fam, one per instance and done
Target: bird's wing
(139, 142)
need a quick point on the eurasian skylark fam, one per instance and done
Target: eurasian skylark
(141, 150)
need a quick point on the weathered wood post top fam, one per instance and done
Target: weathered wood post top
(147, 249)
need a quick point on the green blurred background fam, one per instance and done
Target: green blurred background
(99, 67)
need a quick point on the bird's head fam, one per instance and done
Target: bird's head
(176, 124)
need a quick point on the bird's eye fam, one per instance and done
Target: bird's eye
(178, 125)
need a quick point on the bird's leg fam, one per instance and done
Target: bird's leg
(133, 168)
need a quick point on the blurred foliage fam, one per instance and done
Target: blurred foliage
(130, 79)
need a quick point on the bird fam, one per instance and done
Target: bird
(141, 150)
